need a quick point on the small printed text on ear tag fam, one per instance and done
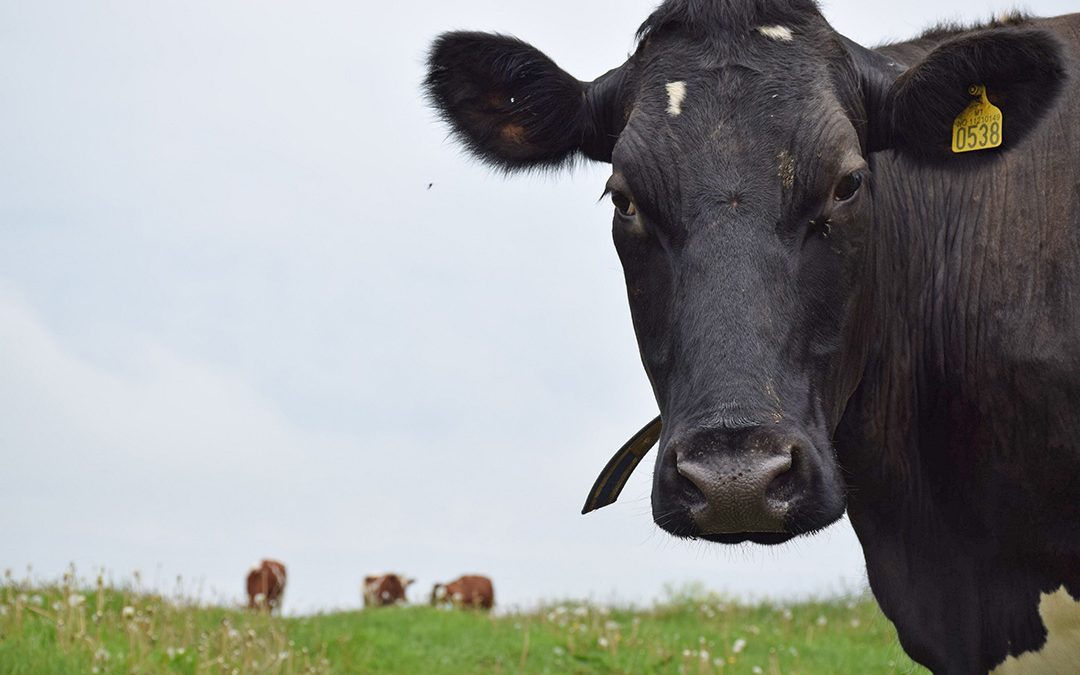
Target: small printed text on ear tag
(978, 127)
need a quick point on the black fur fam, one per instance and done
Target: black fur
(948, 29)
(701, 18)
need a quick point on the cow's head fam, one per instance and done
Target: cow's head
(739, 134)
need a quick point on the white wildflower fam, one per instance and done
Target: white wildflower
(787, 614)
(703, 655)
(756, 670)
(686, 653)
(127, 612)
(821, 620)
(602, 641)
(37, 600)
(855, 623)
(738, 646)
(611, 626)
(57, 606)
(558, 651)
(75, 599)
(102, 654)
(581, 611)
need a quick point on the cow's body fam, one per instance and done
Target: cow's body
(266, 585)
(832, 305)
(471, 590)
(384, 590)
(962, 443)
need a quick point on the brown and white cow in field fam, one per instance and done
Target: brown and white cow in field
(383, 590)
(266, 585)
(470, 590)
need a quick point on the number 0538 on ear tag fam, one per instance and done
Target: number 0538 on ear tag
(978, 127)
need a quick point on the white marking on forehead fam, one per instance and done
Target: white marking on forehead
(676, 93)
(781, 33)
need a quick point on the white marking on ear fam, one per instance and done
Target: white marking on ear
(676, 93)
(1061, 616)
(781, 33)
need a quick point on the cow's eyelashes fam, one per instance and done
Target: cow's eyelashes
(848, 186)
(623, 204)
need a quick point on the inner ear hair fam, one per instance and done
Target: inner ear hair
(506, 101)
(1023, 72)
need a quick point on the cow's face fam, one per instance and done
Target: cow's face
(739, 186)
(738, 142)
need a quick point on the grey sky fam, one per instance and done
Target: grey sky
(234, 322)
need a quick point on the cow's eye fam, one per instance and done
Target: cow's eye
(847, 187)
(623, 204)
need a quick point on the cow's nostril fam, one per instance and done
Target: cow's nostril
(784, 484)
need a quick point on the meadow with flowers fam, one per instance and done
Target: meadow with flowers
(79, 625)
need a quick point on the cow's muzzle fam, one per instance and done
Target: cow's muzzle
(732, 486)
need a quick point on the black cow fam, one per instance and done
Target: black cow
(833, 307)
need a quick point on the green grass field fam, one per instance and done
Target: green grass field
(73, 627)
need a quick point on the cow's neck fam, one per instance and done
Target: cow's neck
(938, 439)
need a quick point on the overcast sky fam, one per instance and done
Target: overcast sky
(235, 322)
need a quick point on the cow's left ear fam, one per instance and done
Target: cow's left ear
(1022, 71)
(514, 108)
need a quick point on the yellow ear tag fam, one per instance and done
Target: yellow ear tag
(978, 127)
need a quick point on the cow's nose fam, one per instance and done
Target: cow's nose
(740, 494)
(720, 482)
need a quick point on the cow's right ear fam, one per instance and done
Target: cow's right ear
(514, 108)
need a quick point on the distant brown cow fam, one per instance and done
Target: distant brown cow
(468, 591)
(265, 585)
(381, 590)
